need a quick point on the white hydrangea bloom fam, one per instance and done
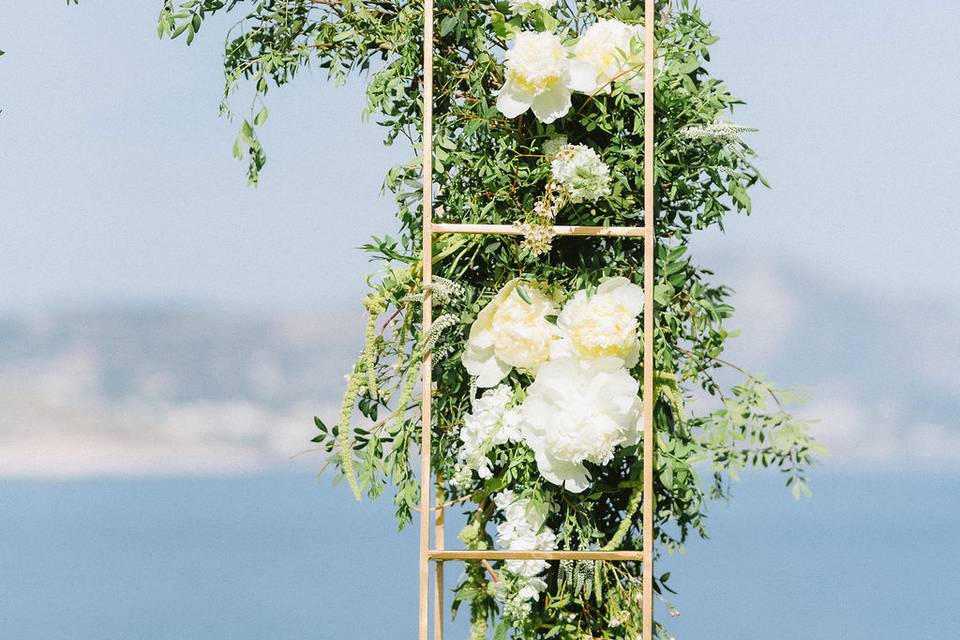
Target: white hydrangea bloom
(579, 411)
(510, 332)
(603, 324)
(524, 529)
(539, 76)
(613, 51)
(490, 423)
(579, 170)
(523, 7)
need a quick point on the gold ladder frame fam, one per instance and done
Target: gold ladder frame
(439, 554)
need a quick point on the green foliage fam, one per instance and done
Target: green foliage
(492, 170)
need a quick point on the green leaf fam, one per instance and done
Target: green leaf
(447, 25)
(261, 117)
(499, 23)
(524, 295)
(739, 194)
(247, 134)
(179, 30)
(663, 292)
(545, 20)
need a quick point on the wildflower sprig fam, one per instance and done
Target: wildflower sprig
(726, 133)
(577, 175)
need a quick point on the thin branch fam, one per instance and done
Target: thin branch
(493, 574)
(304, 451)
(449, 503)
(741, 370)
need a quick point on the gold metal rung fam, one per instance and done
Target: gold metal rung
(560, 230)
(500, 554)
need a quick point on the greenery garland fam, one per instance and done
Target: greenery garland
(537, 121)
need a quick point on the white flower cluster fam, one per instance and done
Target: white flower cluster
(537, 228)
(579, 411)
(523, 529)
(491, 422)
(583, 403)
(604, 323)
(542, 73)
(537, 235)
(577, 174)
(726, 133)
(512, 331)
(537, 77)
(614, 52)
(580, 171)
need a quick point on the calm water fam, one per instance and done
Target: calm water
(870, 556)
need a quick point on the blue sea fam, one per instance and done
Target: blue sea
(287, 556)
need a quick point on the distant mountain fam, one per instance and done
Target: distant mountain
(183, 356)
(134, 390)
(879, 374)
(131, 390)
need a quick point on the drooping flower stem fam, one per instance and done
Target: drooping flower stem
(633, 503)
(406, 391)
(668, 387)
(354, 383)
(375, 306)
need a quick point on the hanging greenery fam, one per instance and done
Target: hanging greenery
(538, 119)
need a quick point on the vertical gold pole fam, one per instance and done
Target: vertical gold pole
(427, 267)
(649, 246)
(438, 543)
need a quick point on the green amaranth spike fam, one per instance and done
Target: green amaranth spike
(354, 383)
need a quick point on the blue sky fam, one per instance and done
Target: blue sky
(116, 180)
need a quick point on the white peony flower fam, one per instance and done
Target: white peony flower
(614, 53)
(490, 423)
(579, 411)
(540, 76)
(510, 332)
(524, 529)
(581, 172)
(523, 7)
(603, 324)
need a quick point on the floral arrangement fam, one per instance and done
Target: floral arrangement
(537, 427)
(582, 403)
